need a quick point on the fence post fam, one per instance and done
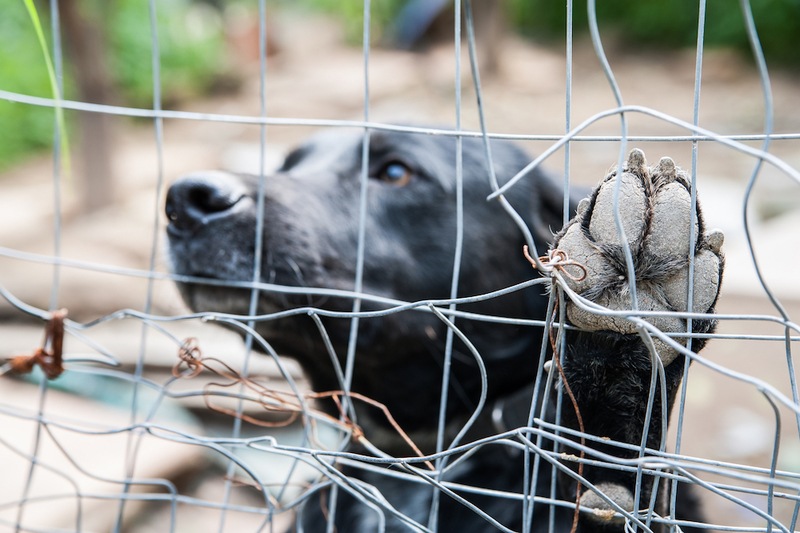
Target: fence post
(86, 46)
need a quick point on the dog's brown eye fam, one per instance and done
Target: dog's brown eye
(395, 173)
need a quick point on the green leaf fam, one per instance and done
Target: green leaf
(51, 73)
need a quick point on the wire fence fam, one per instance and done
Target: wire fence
(185, 429)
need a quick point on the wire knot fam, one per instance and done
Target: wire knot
(48, 357)
(557, 260)
(191, 358)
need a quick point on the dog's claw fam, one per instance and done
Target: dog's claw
(637, 164)
(666, 170)
(655, 212)
(603, 512)
(715, 238)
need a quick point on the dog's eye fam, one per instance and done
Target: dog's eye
(395, 173)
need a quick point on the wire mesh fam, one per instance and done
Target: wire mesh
(116, 442)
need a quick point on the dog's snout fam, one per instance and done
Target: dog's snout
(195, 200)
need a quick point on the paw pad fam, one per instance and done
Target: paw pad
(655, 212)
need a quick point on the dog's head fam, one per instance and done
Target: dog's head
(311, 210)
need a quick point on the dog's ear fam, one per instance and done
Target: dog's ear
(547, 212)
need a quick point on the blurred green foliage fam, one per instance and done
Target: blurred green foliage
(190, 41)
(655, 23)
(351, 14)
(23, 70)
(191, 44)
(671, 24)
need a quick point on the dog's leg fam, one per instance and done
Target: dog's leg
(613, 365)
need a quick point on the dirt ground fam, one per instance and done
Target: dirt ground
(316, 75)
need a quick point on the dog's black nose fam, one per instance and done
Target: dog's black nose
(195, 200)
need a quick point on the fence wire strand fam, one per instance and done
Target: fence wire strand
(274, 441)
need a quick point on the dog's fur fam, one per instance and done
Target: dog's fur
(310, 239)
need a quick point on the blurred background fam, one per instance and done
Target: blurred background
(97, 206)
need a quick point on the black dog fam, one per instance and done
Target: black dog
(310, 239)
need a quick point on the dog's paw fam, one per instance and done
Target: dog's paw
(656, 214)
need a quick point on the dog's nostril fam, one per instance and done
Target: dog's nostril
(171, 211)
(193, 200)
(210, 199)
